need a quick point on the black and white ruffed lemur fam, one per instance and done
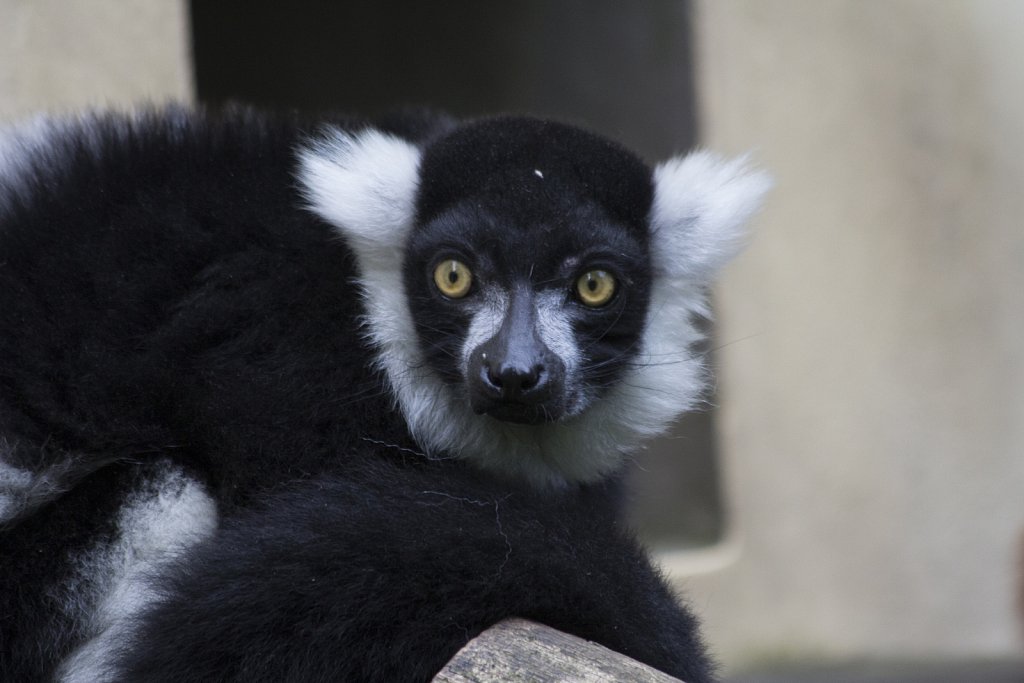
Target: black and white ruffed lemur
(305, 401)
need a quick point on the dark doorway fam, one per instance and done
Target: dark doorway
(623, 69)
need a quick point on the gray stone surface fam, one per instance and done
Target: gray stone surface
(520, 651)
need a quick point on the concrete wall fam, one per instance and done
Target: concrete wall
(63, 54)
(872, 360)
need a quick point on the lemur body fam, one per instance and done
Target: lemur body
(289, 402)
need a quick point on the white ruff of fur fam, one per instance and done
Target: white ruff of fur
(365, 184)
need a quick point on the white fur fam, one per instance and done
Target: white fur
(44, 144)
(485, 322)
(34, 149)
(21, 141)
(168, 515)
(554, 326)
(14, 484)
(23, 490)
(365, 185)
(20, 145)
(701, 205)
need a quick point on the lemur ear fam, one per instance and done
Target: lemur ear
(701, 204)
(364, 184)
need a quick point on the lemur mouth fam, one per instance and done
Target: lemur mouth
(519, 413)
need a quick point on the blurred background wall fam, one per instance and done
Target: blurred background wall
(857, 492)
(872, 338)
(60, 54)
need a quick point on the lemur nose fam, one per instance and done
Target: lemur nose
(514, 376)
(513, 379)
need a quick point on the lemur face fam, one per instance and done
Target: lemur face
(528, 322)
(528, 315)
(528, 272)
(531, 288)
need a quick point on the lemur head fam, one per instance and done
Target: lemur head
(530, 287)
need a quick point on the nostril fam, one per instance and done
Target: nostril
(513, 380)
(529, 379)
(493, 377)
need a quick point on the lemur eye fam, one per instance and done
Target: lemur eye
(453, 278)
(595, 287)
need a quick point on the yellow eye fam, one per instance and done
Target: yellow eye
(453, 278)
(595, 287)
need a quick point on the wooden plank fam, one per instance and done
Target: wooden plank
(520, 651)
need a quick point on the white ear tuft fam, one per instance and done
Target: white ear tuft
(701, 203)
(364, 184)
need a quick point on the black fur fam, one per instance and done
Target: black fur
(494, 160)
(164, 298)
(384, 575)
(532, 205)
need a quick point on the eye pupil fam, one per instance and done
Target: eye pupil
(453, 278)
(595, 288)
